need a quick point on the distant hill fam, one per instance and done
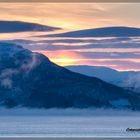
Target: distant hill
(127, 79)
(19, 26)
(30, 79)
(101, 32)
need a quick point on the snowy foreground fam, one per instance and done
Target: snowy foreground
(68, 123)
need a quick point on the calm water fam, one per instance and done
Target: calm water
(68, 126)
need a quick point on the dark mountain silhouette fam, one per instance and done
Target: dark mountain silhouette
(19, 26)
(31, 80)
(101, 32)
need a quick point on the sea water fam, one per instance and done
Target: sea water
(69, 125)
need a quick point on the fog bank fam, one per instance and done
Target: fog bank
(66, 112)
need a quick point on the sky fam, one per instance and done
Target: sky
(120, 55)
(73, 16)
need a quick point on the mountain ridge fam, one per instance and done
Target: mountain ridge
(125, 79)
(31, 80)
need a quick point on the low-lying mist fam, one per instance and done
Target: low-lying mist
(66, 112)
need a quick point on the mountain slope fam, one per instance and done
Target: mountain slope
(101, 32)
(127, 79)
(19, 26)
(32, 80)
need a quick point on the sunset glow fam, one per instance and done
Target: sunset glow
(62, 58)
(118, 53)
(73, 16)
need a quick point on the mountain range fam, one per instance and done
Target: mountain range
(30, 79)
(126, 79)
(20, 26)
(116, 31)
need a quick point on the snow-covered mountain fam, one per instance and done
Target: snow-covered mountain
(31, 80)
(126, 79)
(102, 32)
(19, 26)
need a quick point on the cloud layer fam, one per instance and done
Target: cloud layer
(117, 53)
(73, 16)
